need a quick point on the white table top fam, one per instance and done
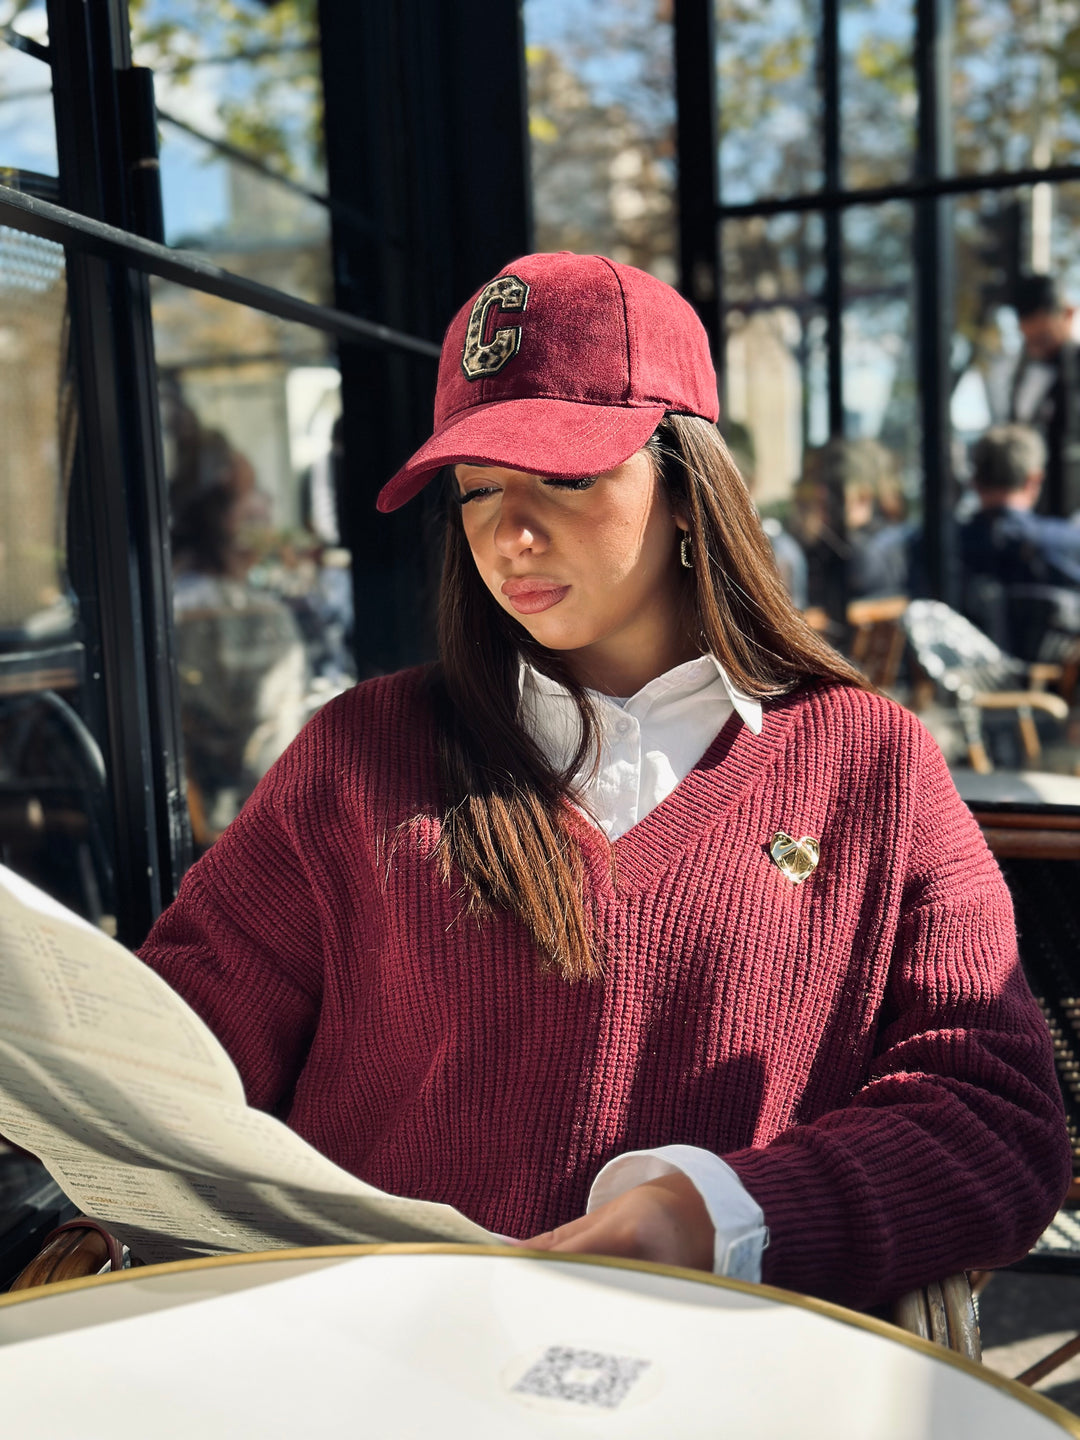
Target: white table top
(1018, 787)
(477, 1342)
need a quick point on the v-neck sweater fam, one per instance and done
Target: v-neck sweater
(861, 1048)
(649, 740)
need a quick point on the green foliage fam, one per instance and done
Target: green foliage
(276, 113)
(885, 62)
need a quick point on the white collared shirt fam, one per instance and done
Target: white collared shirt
(1036, 381)
(649, 743)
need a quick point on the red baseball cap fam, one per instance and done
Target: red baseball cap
(563, 365)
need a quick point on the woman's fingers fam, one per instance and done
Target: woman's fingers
(663, 1220)
(596, 1234)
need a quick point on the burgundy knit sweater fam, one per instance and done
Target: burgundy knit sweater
(861, 1048)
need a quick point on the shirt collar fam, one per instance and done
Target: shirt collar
(675, 684)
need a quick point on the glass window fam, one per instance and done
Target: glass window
(54, 817)
(1016, 102)
(239, 98)
(601, 120)
(1014, 408)
(262, 591)
(775, 384)
(770, 99)
(853, 500)
(878, 101)
(882, 465)
(999, 235)
(27, 128)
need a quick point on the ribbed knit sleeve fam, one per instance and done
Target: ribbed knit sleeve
(954, 1153)
(242, 941)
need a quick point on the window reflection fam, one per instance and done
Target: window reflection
(881, 464)
(775, 403)
(880, 399)
(1018, 541)
(53, 809)
(27, 129)
(878, 101)
(601, 122)
(850, 507)
(1014, 102)
(34, 598)
(262, 592)
(243, 674)
(239, 98)
(770, 100)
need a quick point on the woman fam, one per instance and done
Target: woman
(637, 925)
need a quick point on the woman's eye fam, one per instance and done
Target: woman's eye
(463, 498)
(584, 483)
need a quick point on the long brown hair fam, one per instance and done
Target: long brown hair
(505, 829)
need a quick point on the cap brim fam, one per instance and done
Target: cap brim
(561, 438)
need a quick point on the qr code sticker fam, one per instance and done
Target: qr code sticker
(584, 1377)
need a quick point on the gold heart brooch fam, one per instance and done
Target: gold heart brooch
(797, 859)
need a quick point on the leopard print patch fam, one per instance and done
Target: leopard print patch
(479, 360)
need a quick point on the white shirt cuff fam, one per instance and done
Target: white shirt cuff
(738, 1220)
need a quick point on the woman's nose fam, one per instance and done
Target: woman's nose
(518, 529)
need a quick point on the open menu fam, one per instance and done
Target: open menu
(139, 1115)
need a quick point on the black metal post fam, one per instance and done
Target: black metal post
(836, 576)
(426, 134)
(934, 292)
(697, 146)
(834, 240)
(120, 468)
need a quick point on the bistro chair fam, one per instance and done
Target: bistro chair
(974, 677)
(943, 1312)
(877, 640)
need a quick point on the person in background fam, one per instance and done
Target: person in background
(1046, 389)
(240, 654)
(323, 607)
(1016, 564)
(868, 549)
(875, 515)
(787, 552)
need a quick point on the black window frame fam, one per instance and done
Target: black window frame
(703, 212)
(105, 210)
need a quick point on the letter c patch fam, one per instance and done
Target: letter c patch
(480, 359)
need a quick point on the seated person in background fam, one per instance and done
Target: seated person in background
(850, 519)
(787, 552)
(640, 924)
(1016, 563)
(875, 514)
(240, 654)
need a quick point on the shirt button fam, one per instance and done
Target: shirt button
(622, 726)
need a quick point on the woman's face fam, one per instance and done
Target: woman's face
(589, 567)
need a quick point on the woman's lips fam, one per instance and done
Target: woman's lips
(531, 596)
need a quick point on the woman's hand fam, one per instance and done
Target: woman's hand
(664, 1220)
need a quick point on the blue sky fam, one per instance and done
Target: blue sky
(27, 134)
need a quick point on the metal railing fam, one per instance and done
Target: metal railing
(184, 267)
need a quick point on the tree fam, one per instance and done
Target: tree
(601, 114)
(271, 106)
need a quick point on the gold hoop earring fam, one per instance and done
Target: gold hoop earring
(685, 552)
